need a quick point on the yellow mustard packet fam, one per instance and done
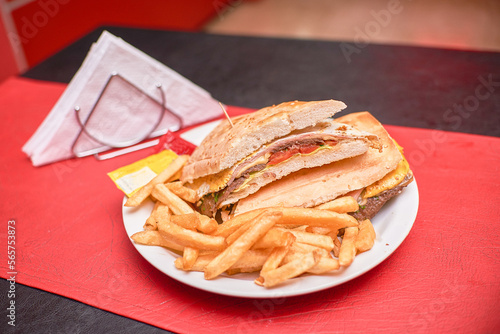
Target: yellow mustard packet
(131, 178)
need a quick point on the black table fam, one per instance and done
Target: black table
(407, 86)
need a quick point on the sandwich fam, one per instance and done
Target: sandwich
(372, 178)
(236, 160)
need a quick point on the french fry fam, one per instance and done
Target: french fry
(150, 223)
(316, 217)
(174, 202)
(236, 234)
(259, 281)
(187, 194)
(292, 217)
(324, 265)
(317, 240)
(174, 177)
(298, 248)
(206, 224)
(179, 264)
(189, 257)
(296, 227)
(250, 260)
(154, 238)
(162, 212)
(188, 221)
(233, 252)
(195, 221)
(275, 238)
(230, 226)
(234, 271)
(199, 265)
(139, 196)
(275, 258)
(318, 230)
(292, 269)
(348, 248)
(366, 236)
(343, 204)
(300, 227)
(336, 244)
(189, 238)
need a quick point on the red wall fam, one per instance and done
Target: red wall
(8, 65)
(47, 26)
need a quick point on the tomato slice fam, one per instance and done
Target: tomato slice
(306, 149)
(281, 156)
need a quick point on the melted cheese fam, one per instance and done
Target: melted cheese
(214, 182)
(391, 180)
(262, 160)
(218, 181)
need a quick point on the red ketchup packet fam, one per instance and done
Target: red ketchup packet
(172, 141)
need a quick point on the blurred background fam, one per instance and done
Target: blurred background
(33, 30)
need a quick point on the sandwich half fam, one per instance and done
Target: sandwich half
(234, 162)
(372, 178)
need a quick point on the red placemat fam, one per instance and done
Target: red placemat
(70, 241)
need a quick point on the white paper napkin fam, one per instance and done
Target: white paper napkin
(129, 106)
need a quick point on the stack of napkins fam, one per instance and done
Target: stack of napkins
(122, 95)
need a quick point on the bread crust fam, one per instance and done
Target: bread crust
(227, 145)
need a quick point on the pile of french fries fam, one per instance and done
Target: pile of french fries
(279, 243)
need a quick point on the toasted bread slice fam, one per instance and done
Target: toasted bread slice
(225, 145)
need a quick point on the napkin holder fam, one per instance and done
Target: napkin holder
(119, 99)
(96, 140)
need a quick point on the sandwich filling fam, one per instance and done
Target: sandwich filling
(373, 197)
(370, 206)
(323, 143)
(273, 155)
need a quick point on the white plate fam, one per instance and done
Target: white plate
(392, 224)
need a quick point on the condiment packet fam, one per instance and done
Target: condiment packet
(171, 141)
(132, 177)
